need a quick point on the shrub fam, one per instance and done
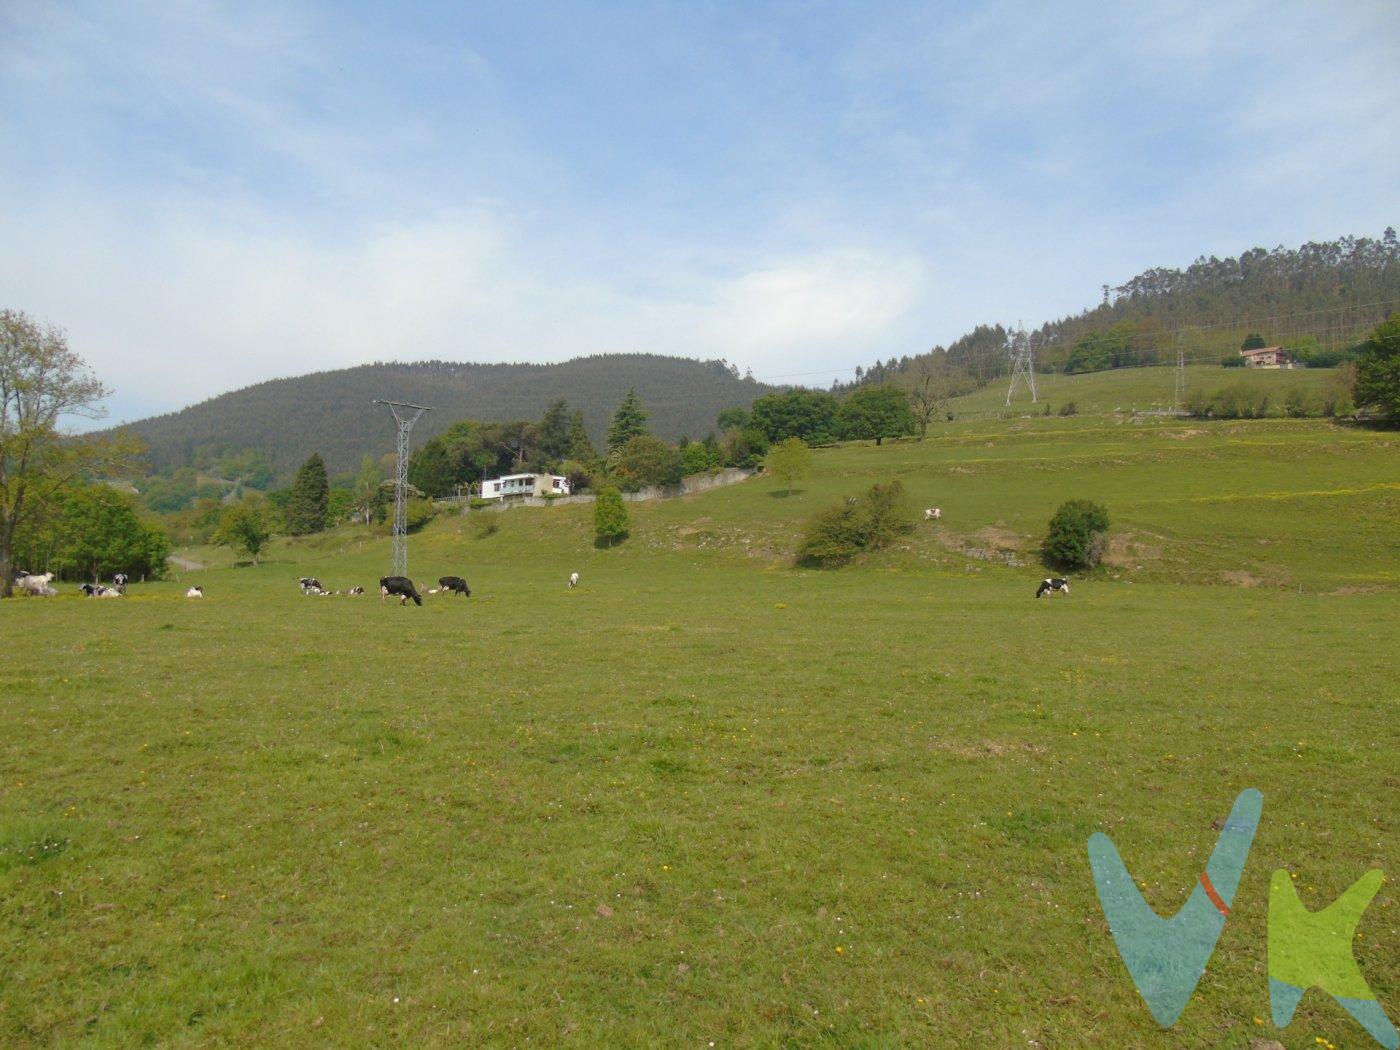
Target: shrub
(698, 458)
(837, 534)
(1068, 409)
(610, 522)
(1077, 536)
(418, 513)
(1233, 361)
(643, 461)
(484, 525)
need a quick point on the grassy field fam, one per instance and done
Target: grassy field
(709, 797)
(1143, 389)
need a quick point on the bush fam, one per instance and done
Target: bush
(418, 513)
(1233, 361)
(836, 535)
(1068, 409)
(610, 522)
(484, 525)
(699, 458)
(1078, 535)
(645, 460)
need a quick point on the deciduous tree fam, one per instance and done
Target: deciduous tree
(789, 460)
(41, 382)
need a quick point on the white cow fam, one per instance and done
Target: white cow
(108, 592)
(195, 592)
(933, 513)
(573, 579)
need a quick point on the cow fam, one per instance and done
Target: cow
(573, 580)
(195, 592)
(311, 585)
(455, 585)
(355, 592)
(401, 586)
(119, 581)
(1052, 587)
(96, 590)
(109, 592)
(933, 513)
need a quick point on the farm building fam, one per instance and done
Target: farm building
(1267, 357)
(525, 485)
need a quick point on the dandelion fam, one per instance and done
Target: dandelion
(840, 950)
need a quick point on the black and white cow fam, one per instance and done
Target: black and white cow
(355, 592)
(311, 585)
(92, 590)
(119, 581)
(573, 580)
(401, 586)
(195, 592)
(1052, 587)
(454, 585)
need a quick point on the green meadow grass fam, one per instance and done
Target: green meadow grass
(1126, 389)
(709, 797)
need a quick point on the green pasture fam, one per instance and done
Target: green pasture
(1140, 389)
(709, 797)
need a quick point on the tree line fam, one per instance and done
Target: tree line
(1319, 300)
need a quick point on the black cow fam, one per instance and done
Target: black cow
(401, 586)
(1051, 587)
(454, 585)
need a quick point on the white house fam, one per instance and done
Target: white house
(525, 485)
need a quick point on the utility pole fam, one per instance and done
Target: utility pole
(405, 415)
(1022, 362)
(1180, 403)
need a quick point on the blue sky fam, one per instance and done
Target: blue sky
(210, 195)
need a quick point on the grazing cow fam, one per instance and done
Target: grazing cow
(455, 585)
(933, 513)
(401, 586)
(355, 592)
(573, 580)
(195, 592)
(119, 581)
(1053, 587)
(311, 585)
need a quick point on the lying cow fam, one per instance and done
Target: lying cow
(1053, 587)
(311, 585)
(195, 592)
(454, 585)
(355, 592)
(401, 586)
(96, 590)
(933, 513)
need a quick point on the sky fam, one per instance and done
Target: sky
(207, 195)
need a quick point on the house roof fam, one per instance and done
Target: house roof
(1264, 350)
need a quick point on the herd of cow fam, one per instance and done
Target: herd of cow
(41, 585)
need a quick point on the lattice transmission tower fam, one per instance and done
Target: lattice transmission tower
(1179, 404)
(1022, 363)
(405, 415)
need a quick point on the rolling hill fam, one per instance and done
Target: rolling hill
(332, 412)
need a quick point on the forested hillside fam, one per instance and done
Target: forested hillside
(1322, 297)
(332, 412)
